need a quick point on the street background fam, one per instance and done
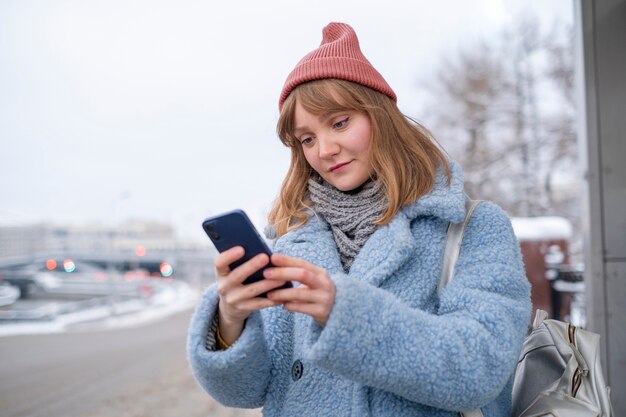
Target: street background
(140, 371)
(123, 124)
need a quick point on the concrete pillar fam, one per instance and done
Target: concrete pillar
(601, 31)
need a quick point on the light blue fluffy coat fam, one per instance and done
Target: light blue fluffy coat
(391, 346)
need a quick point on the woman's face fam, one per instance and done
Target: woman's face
(336, 145)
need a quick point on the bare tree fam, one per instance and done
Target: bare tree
(505, 109)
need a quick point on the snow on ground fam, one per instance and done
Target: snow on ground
(169, 300)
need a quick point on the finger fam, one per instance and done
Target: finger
(314, 310)
(279, 259)
(249, 291)
(299, 274)
(224, 259)
(302, 295)
(258, 304)
(243, 271)
(242, 310)
(229, 282)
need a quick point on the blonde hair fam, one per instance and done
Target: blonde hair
(403, 154)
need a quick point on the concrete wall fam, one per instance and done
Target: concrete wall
(601, 31)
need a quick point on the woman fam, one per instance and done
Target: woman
(360, 227)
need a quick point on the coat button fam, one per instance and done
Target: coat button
(297, 370)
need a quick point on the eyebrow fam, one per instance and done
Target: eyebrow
(300, 129)
(323, 118)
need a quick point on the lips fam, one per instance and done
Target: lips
(336, 167)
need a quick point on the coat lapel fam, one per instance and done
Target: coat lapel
(391, 245)
(385, 251)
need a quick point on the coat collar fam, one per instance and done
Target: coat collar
(447, 203)
(378, 259)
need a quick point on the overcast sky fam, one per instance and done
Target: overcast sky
(166, 110)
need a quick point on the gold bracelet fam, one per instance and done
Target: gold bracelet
(221, 345)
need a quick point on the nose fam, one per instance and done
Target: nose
(327, 147)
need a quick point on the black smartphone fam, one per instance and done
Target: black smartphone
(234, 228)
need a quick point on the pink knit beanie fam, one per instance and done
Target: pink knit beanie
(338, 56)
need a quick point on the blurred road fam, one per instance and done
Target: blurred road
(133, 372)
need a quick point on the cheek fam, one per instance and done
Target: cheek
(311, 159)
(363, 146)
(365, 137)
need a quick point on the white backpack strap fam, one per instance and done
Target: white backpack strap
(454, 237)
(540, 316)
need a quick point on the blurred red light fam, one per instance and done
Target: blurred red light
(51, 264)
(140, 251)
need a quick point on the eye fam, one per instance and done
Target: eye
(306, 140)
(341, 124)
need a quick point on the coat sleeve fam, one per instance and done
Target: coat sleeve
(458, 359)
(237, 376)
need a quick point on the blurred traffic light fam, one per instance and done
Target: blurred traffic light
(140, 251)
(166, 269)
(69, 265)
(51, 264)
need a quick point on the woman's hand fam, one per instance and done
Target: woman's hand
(237, 301)
(316, 294)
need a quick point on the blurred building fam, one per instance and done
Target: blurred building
(132, 245)
(542, 238)
(43, 239)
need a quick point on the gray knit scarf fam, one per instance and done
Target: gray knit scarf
(350, 214)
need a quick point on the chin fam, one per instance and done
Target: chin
(347, 187)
